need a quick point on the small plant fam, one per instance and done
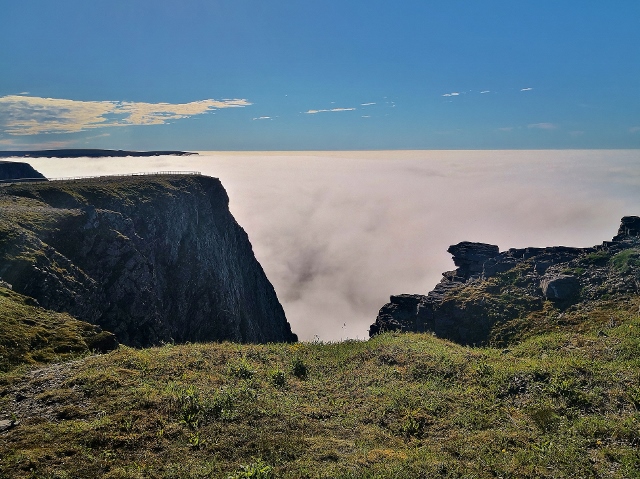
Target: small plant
(242, 370)
(278, 378)
(194, 440)
(484, 370)
(255, 470)
(414, 424)
(187, 404)
(545, 418)
(299, 368)
(220, 406)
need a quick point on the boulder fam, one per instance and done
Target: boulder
(559, 286)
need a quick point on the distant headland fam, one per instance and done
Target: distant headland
(91, 153)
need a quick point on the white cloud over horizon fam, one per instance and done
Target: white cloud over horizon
(29, 115)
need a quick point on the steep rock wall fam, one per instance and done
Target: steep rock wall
(151, 259)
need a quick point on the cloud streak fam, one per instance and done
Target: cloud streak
(29, 115)
(543, 126)
(313, 112)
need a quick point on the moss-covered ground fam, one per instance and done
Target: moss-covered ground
(33, 335)
(561, 403)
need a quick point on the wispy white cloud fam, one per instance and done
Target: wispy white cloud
(634, 129)
(313, 112)
(543, 126)
(13, 144)
(367, 104)
(23, 93)
(366, 116)
(526, 89)
(455, 93)
(506, 128)
(26, 115)
(486, 91)
(263, 118)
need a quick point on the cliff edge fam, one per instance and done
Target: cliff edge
(495, 297)
(15, 172)
(150, 258)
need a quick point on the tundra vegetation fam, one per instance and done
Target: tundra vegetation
(552, 391)
(562, 401)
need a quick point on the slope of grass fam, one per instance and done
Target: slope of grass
(31, 335)
(562, 403)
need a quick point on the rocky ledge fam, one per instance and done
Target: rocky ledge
(490, 291)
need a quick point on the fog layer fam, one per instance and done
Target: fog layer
(338, 232)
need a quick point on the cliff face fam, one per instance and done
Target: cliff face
(16, 171)
(151, 259)
(492, 296)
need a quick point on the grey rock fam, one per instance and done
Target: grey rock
(7, 424)
(559, 287)
(470, 257)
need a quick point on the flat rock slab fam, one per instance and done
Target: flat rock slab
(7, 424)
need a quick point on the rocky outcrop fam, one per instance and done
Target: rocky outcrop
(152, 259)
(13, 171)
(470, 257)
(629, 227)
(489, 289)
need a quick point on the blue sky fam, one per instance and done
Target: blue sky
(330, 75)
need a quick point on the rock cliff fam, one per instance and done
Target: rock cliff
(492, 296)
(150, 258)
(17, 172)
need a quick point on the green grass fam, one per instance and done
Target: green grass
(626, 261)
(32, 335)
(562, 403)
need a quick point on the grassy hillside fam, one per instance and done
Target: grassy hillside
(31, 335)
(561, 403)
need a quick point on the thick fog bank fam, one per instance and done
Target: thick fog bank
(338, 232)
